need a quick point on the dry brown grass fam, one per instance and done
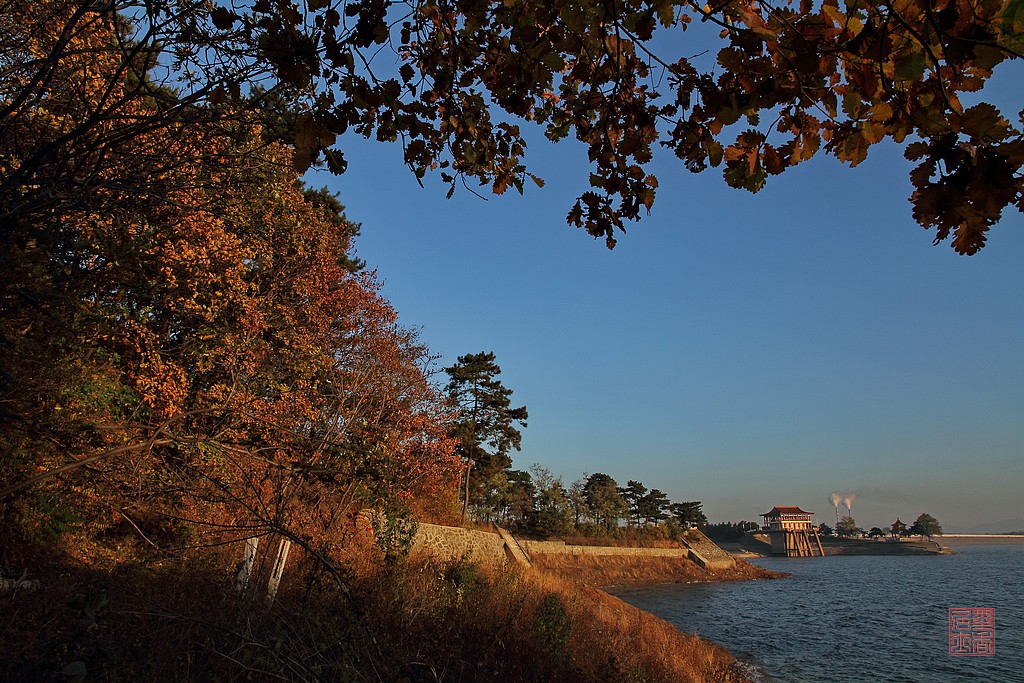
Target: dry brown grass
(631, 540)
(129, 616)
(619, 570)
(614, 641)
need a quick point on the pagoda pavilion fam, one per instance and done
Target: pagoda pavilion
(898, 528)
(790, 529)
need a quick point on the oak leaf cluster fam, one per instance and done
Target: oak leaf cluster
(455, 83)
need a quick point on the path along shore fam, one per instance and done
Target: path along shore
(980, 539)
(755, 546)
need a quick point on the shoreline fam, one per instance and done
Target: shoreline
(980, 539)
(603, 574)
(749, 620)
(607, 571)
(946, 544)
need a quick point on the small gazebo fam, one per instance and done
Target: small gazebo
(898, 528)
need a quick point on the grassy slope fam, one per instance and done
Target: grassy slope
(127, 616)
(616, 571)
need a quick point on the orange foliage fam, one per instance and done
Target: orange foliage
(208, 350)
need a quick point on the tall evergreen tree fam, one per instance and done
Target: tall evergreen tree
(517, 500)
(553, 511)
(577, 501)
(652, 507)
(604, 500)
(633, 493)
(689, 513)
(486, 429)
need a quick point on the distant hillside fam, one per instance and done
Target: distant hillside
(1003, 526)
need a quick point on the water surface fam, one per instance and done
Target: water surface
(850, 618)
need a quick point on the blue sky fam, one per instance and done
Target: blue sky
(743, 350)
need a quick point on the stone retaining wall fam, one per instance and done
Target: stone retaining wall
(560, 548)
(453, 543)
(544, 547)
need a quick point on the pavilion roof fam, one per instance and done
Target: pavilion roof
(785, 510)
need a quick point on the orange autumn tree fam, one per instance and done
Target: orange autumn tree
(750, 87)
(300, 385)
(205, 353)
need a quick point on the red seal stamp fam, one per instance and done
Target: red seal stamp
(972, 631)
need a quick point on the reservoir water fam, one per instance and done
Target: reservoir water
(857, 618)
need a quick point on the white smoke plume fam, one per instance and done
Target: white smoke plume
(835, 499)
(848, 502)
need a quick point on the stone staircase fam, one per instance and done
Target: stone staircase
(705, 553)
(514, 550)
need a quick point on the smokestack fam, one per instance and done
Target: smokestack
(848, 501)
(835, 499)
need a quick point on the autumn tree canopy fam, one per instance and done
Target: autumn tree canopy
(173, 307)
(454, 82)
(184, 328)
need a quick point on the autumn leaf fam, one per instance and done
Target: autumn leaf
(222, 18)
(983, 122)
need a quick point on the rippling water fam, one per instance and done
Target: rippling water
(867, 618)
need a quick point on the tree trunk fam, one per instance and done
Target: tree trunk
(248, 559)
(278, 572)
(465, 499)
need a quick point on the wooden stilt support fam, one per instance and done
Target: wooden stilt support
(790, 529)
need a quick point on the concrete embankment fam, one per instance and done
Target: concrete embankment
(981, 539)
(698, 559)
(624, 570)
(757, 545)
(871, 547)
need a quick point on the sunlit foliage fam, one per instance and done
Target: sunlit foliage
(453, 83)
(185, 330)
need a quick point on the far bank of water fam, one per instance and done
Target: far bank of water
(866, 618)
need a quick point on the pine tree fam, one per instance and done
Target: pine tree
(604, 498)
(486, 429)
